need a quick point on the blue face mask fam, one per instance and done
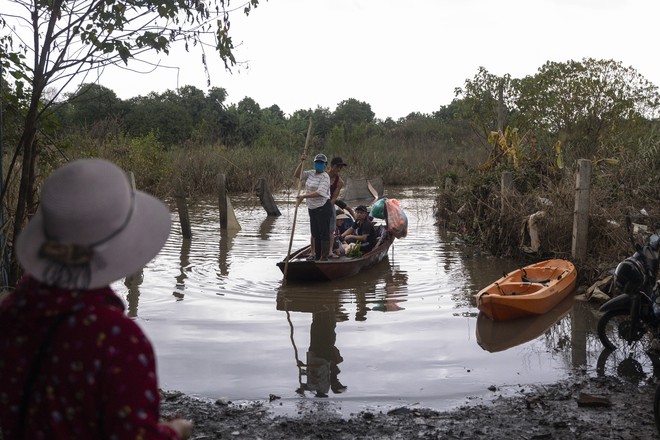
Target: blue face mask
(319, 166)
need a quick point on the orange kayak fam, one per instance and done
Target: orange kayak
(531, 290)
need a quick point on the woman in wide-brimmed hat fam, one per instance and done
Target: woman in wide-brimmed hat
(73, 365)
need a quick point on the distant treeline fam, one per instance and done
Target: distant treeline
(535, 127)
(595, 109)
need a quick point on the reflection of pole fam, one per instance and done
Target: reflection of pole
(295, 352)
(579, 330)
(226, 240)
(133, 283)
(184, 261)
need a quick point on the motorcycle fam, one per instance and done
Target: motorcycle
(629, 322)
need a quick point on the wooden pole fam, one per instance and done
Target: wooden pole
(295, 211)
(266, 198)
(581, 216)
(222, 201)
(184, 218)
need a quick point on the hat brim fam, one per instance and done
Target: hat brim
(124, 254)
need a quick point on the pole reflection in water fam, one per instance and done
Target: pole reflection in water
(133, 282)
(226, 243)
(266, 227)
(184, 266)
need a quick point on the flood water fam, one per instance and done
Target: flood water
(405, 332)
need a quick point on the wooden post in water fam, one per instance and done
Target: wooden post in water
(184, 218)
(222, 201)
(581, 213)
(266, 198)
(228, 220)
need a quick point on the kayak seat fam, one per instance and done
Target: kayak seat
(527, 280)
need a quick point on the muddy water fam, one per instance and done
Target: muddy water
(402, 333)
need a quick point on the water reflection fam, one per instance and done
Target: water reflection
(385, 296)
(226, 243)
(230, 281)
(133, 282)
(184, 267)
(634, 367)
(266, 227)
(328, 304)
(494, 336)
(323, 357)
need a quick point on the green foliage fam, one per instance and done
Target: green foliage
(355, 251)
(336, 140)
(584, 102)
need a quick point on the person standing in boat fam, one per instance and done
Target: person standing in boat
(336, 184)
(362, 230)
(317, 194)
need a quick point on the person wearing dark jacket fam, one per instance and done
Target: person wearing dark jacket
(363, 230)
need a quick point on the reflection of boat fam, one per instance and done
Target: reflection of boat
(496, 336)
(301, 269)
(531, 290)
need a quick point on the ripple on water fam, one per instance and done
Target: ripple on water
(224, 324)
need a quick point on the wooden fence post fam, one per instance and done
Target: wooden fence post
(266, 198)
(222, 201)
(228, 220)
(581, 213)
(184, 218)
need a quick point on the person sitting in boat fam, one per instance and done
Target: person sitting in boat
(363, 230)
(342, 223)
(347, 220)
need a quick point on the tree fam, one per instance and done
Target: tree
(70, 38)
(92, 103)
(479, 102)
(583, 102)
(167, 119)
(350, 113)
(249, 121)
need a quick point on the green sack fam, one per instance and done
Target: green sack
(378, 209)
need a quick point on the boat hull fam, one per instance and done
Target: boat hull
(299, 269)
(531, 290)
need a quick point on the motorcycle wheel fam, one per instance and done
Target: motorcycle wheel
(615, 332)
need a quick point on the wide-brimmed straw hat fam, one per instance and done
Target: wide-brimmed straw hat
(91, 227)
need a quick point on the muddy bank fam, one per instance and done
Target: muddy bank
(581, 407)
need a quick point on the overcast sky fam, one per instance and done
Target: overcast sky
(404, 56)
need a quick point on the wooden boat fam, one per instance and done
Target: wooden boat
(300, 269)
(531, 290)
(494, 336)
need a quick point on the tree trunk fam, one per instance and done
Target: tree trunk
(26, 145)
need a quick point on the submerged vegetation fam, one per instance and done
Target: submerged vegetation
(535, 128)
